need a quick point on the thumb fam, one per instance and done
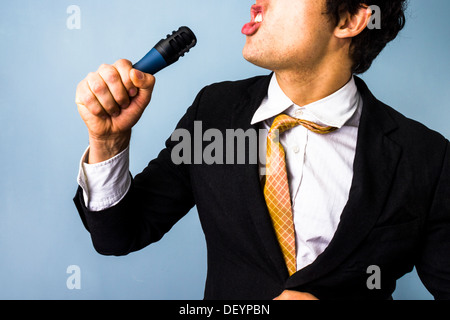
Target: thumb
(141, 80)
(145, 83)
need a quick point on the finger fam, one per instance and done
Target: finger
(86, 99)
(101, 91)
(113, 80)
(123, 67)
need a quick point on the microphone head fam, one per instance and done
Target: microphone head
(176, 44)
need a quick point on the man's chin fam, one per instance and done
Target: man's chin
(255, 58)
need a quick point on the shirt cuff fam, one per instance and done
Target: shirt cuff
(106, 183)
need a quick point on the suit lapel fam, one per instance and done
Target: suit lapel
(249, 179)
(374, 167)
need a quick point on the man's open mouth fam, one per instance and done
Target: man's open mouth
(257, 17)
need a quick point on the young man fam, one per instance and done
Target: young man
(353, 185)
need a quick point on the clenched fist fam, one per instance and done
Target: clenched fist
(111, 101)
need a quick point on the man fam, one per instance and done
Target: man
(352, 186)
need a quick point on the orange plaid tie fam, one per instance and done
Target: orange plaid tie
(276, 188)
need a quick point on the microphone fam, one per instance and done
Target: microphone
(167, 51)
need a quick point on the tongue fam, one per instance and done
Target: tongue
(250, 28)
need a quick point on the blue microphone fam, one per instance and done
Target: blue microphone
(167, 51)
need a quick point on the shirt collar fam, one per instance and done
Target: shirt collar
(334, 110)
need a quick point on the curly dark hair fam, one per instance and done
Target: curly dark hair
(369, 43)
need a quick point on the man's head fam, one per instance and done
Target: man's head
(309, 35)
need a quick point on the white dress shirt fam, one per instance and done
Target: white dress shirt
(320, 167)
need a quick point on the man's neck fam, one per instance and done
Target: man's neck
(307, 87)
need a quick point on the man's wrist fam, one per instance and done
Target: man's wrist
(102, 149)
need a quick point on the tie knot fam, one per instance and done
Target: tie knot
(283, 122)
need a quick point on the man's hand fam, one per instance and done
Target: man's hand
(111, 101)
(295, 295)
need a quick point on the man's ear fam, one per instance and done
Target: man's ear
(350, 25)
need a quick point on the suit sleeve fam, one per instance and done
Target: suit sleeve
(434, 263)
(158, 197)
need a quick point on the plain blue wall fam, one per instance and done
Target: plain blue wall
(42, 136)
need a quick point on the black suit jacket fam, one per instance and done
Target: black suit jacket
(397, 215)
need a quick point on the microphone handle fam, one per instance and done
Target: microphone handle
(151, 63)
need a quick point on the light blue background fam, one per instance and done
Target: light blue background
(43, 137)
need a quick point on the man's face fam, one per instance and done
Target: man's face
(288, 34)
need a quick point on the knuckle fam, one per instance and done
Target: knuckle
(127, 83)
(110, 76)
(79, 91)
(97, 87)
(89, 77)
(103, 66)
(123, 63)
(109, 105)
(96, 111)
(121, 99)
(123, 67)
(88, 99)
